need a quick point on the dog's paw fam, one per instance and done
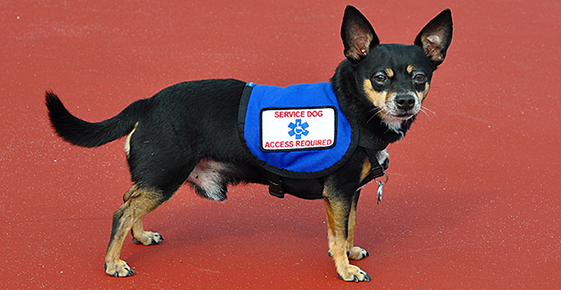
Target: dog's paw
(353, 274)
(357, 253)
(148, 239)
(119, 269)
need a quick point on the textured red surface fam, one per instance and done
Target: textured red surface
(473, 200)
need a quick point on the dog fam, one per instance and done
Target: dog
(190, 133)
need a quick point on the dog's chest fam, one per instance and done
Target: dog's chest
(297, 131)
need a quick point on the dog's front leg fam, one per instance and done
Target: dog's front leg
(354, 253)
(357, 253)
(339, 205)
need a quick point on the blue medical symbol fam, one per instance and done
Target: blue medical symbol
(298, 129)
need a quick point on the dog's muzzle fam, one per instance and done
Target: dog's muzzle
(405, 102)
(403, 106)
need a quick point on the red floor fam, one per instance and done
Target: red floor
(473, 200)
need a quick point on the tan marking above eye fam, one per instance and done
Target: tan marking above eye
(410, 68)
(390, 72)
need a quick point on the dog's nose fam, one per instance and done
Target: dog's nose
(405, 102)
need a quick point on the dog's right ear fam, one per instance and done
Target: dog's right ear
(357, 34)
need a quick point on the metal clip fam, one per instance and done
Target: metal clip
(381, 188)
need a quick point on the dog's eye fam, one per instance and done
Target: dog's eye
(420, 78)
(380, 78)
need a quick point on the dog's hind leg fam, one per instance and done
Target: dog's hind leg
(138, 203)
(139, 235)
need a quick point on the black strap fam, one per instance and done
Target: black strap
(275, 185)
(376, 169)
(368, 141)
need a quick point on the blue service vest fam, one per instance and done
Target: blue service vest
(297, 131)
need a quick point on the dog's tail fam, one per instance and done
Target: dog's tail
(82, 133)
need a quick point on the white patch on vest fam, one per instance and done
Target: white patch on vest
(297, 128)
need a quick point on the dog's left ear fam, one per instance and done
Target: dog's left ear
(436, 36)
(357, 34)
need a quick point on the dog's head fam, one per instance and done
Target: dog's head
(395, 78)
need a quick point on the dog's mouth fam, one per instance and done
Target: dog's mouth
(401, 114)
(398, 116)
(403, 117)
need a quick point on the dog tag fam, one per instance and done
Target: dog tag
(380, 191)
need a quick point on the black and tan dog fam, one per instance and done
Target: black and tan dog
(379, 87)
